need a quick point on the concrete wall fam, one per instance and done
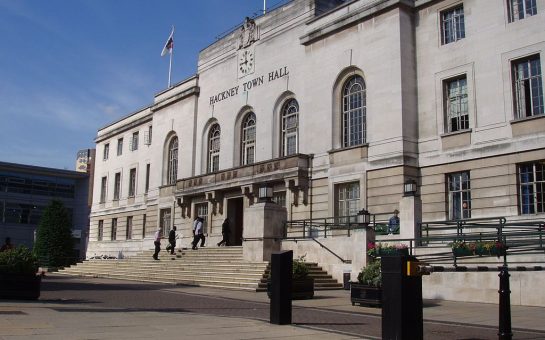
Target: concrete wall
(353, 248)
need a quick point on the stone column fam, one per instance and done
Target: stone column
(410, 214)
(263, 222)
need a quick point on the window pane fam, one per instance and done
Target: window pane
(459, 195)
(528, 87)
(452, 25)
(214, 148)
(353, 119)
(532, 187)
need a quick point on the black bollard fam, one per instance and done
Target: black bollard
(281, 277)
(504, 332)
(401, 300)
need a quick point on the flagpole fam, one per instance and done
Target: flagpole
(170, 61)
(170, 66)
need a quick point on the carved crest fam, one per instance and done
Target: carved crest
(249, 33)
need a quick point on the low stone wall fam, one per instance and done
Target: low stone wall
(120, 249)
(353, 248)
(483, 287)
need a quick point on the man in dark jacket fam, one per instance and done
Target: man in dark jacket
(172, 240)
(225, 231)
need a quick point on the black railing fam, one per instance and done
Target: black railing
(520, 237)
(333, 226)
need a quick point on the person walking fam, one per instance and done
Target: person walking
(225, 231)
(172, 240)
(157, 243)
(201, 236)
(393, 223)
(197, 232)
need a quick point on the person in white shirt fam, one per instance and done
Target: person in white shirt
(157, 243)
(198, 233)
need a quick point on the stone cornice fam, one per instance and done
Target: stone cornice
(348, 19)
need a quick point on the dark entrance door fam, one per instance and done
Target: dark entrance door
(235, 210)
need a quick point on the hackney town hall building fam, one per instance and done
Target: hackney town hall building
(337, 107)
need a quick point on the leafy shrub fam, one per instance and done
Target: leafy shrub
(300, 268)
(371, 275)
(18, 261)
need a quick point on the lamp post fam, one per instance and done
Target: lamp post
(409, 188)
(265, 194)
(364, 217)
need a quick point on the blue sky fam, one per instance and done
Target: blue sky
(69, 67)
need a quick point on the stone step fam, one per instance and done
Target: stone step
(176, 264)
(171, 266)
(203, 283)
(184, 276)
(210, 267)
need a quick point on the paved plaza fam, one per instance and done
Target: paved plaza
(73, 308)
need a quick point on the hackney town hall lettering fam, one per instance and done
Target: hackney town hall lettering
(248, 85)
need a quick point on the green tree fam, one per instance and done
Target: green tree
(54, 245)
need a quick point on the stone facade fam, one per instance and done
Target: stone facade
(436, 97)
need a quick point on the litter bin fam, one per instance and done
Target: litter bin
(346, 279)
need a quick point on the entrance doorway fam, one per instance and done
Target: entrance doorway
(235, 215)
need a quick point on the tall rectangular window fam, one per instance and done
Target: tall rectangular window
(456, 108)
(134, 141)
(113, 234)
(128, 231)
(348, 200)
(147, 177)
(520, 9)
(452, 25)
(532, 188)
(144, 226)
(132, 182)
(120, 146)
(103, 186)
(164, 220)
(528, 87)
(279, 198)
(100, 231)
(117, 186)
(106, 151)
(148, 136)
(202, 212)
(459, 195)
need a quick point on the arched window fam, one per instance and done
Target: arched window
(248, 139)
(290, 127)
(172, 172)
(214, 148)
(353, 112)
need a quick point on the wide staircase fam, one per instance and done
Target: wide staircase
(322, 280)
(221, 267)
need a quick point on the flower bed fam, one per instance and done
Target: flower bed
(479, 248)
(385, 249)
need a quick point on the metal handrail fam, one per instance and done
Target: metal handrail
(521, 237)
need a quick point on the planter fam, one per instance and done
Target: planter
(460, 252)
(390, 252)
(365, 295)
(300, 288)
(20, 286)
(497, 251)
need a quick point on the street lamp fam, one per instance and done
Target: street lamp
(265, 194)
(409, 188)
(364, 217)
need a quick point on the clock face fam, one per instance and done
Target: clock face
(246, 62)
